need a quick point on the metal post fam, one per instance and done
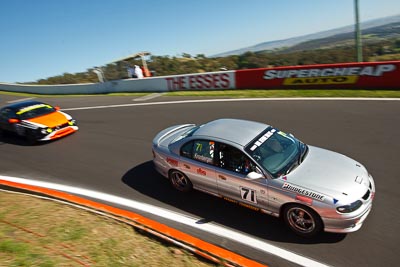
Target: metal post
(358, 33)
(100, 74)
(146, 70)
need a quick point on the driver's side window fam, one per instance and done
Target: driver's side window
(232, 159)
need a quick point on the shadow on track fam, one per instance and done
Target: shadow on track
(9, 138)
(144, 179)
(13, 139)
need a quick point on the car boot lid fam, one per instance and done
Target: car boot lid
(166, 136)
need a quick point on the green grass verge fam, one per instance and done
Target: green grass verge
(291, 93)
(38, 232)
(80, 95)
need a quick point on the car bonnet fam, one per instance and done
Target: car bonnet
(331, 174)
(50, 120)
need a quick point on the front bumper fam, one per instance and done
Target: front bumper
(346, 225)
(59, 133)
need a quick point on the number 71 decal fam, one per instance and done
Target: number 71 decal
(248, 194)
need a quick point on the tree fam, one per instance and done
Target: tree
(303, 54)
(397, 43)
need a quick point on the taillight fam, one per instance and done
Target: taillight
(13, 121)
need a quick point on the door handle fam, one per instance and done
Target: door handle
(222, 177)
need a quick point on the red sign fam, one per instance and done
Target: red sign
(366, 75)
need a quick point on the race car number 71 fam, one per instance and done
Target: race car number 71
(248, 194)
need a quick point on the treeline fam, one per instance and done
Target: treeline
(186, 63)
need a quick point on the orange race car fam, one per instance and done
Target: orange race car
(36, 121)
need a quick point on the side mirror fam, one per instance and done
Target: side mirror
(57, 108)
(12, 121)
(254, 176)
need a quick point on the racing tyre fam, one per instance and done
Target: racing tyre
(302, 220)
(180, 181)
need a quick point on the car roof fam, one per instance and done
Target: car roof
(19, 105)
(235, 130)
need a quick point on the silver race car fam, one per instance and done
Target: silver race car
(260, 167)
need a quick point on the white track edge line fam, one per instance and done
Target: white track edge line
(237, 100)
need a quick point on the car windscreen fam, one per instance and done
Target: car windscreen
(33, 111)
(275, 151)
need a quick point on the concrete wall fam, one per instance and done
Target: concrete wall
(200, 81)
(365, 75)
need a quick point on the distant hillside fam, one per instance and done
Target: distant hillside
(382, 25)
(370, 35)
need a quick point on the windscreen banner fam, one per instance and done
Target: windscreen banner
(366, 75)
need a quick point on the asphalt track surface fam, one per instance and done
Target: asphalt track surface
(111, 153)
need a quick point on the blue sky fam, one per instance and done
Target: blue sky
(44, 38)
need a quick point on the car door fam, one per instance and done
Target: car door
(197, 158)
(233, 166)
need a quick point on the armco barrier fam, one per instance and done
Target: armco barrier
(89, 88)
(366, 75)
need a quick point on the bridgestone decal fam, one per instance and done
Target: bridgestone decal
(303, 192)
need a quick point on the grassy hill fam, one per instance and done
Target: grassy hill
(369, 36)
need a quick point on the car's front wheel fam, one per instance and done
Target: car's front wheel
(302, 220)
(180, 181)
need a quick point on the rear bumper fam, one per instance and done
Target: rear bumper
(160, 166)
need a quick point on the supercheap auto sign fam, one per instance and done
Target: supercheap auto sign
(370, 75)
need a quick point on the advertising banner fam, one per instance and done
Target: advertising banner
(202, 81)
(366, 75)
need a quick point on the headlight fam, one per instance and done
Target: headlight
(349, 208)
(46, 131)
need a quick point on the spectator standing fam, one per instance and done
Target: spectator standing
(138, 72)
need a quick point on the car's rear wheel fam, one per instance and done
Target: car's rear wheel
(180, 181)
(302, 220)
